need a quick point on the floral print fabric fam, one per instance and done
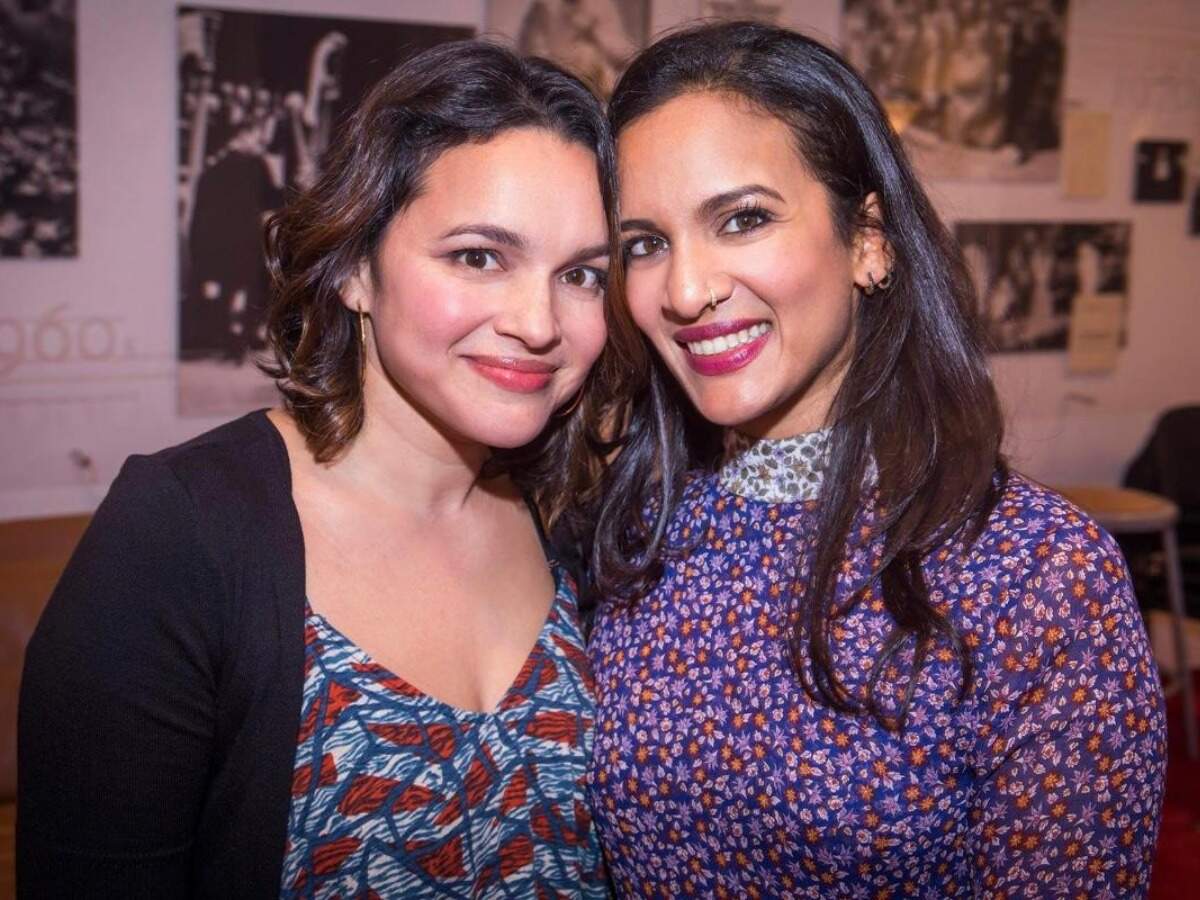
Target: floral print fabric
(776, 471)
(396, 794)
(715, 775)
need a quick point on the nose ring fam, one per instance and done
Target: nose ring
(712, 299)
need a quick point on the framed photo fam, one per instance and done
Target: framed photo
(1159, 169)
(592, 38)
(260, 98)
(1028, 274)
(39, 168)
(974, 88)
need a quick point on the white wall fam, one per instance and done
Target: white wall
(1139, 60)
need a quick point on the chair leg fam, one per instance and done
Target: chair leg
(1182, 670)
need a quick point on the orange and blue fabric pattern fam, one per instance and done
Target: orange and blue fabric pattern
(397, 794)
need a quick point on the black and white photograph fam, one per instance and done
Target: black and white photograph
(260, 98)
(39, 170)
(592, 38)
(1028, 274)
(973, 86)
(1159, 168)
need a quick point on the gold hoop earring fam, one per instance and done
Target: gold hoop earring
(362, 343)
(571, 407)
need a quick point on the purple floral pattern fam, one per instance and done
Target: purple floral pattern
(714, 774)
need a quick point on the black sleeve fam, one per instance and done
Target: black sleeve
(117, 702)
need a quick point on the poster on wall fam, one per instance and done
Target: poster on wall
(260, 96)
(974, 88)
(592, 38)
(39, 172)
(1028, 275)
(1159, 171)
(758, 10)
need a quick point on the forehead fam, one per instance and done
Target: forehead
(522, 179)
(700, 143)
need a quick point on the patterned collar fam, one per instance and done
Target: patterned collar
(782, 470)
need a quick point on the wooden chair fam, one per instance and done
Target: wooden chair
(32, 556)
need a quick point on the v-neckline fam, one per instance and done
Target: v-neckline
(556, 572)
(459, 712)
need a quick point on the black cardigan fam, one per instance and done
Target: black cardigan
(162, 688)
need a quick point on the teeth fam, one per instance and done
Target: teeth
(728, 341)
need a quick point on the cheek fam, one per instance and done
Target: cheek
(426, 305)
(585, 331)
(812, 281)
(643, 295)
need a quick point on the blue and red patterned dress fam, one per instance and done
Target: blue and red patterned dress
(396, 794)
(715, 775)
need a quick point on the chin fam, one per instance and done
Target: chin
(506, 432)
(729, 412)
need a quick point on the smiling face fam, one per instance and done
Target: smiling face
(719, 209)
(486, 306)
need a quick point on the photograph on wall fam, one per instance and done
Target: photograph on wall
(260, 98)
(39, 170)
(974, 87)
(1028, 274)
(1159, 168)
(758, 10)
(592, 38)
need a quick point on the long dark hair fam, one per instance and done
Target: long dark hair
(917, 401)
(446, 96)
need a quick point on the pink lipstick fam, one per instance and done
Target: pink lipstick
(522, 376)
(723, 347)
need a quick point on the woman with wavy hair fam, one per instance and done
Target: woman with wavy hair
(325, 650)
(840, 648)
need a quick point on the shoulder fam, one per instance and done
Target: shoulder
(239, 457)
(225, 488)
(1031, 524)
(1054, 576)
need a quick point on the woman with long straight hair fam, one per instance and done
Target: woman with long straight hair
(325, 650)
(840, 648)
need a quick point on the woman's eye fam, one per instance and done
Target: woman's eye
(646, 245)
(475, 258)
(745, 221)
(586, 277)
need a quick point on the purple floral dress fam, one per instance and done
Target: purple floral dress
(715, 775)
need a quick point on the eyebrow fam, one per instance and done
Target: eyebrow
(713, 204)
(709, 207)
(509, 238)
(596, 251)
(492, 233)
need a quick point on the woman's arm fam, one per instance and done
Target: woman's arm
(1073, 749)
(118, 702)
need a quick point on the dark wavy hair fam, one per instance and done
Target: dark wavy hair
(917, 400)
(449, 95)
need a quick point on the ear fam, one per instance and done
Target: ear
(872, 255)
(358, 290)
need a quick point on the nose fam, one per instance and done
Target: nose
(528, 314)
(691, 280)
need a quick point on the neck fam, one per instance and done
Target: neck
(408, 461)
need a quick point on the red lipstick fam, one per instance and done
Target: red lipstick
(522, 376)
